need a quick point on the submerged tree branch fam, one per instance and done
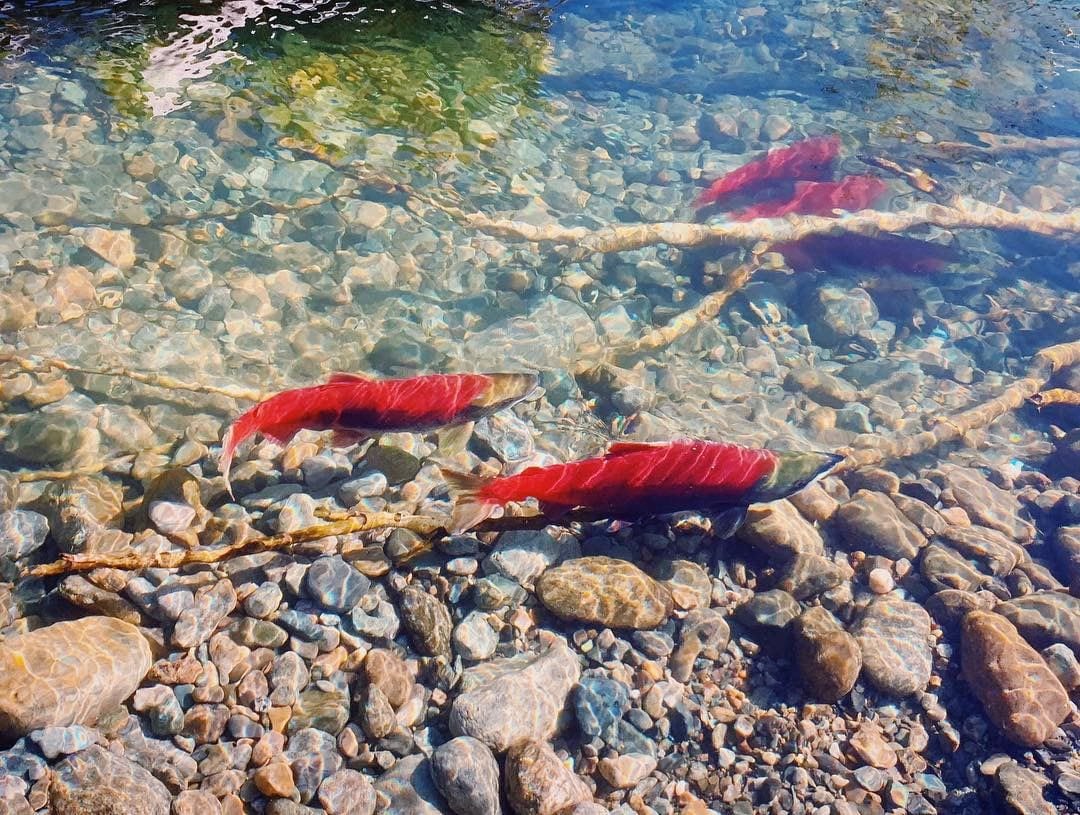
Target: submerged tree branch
(1055, 396)
(43, 364)
(875, 450)
(962, 213)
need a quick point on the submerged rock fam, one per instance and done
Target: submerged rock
(69, 673)
(605, 591)
(538, 783)
(427, 620)
(894, 636)
(1045, 618)
(1017, 689)
(409, 789)
(467, 775)
(79, 509)
(97, 782)
(517, 699)
(828, 657)
(871, 522)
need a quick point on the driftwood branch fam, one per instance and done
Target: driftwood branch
(875, 450)
(993, 144)
(962, 213)
(345, 524)
(45, 364)
(1055, 396)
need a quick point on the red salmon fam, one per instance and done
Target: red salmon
(820, 198)
(809, 160)
(634, 479)
(354, 407)
(897, 253)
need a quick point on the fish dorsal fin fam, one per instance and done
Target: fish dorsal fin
(341, 376)
(621, 448)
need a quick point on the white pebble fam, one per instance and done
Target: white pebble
(881, 582)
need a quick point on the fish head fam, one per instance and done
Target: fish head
(793, 472)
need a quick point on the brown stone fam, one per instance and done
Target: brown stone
(69, 673)
(1017, 689)
(604, 591)
(780, 531)
(389, 672)
(275, 780)
(828, 657)
(538, 783)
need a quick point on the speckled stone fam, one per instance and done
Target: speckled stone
(335, 583)
(409, 789)
(769, 610)
(780, 531)
(426, 619)
(376, 714)
(1019, 692)
(213, 603)
(688, 584)
(517, 699)
(1021, 790)
(985, 503)
(79, 509)
(538, 783)
(97, 782)
(474, 638)
(347, 792)
(625, 771)
(705, 632)
(314, 757)
(828, 657)
(389, 672)
(871, 522)
(69, 673)
(604, 591)
(467, 775)
(894, 636)
(1045, 617)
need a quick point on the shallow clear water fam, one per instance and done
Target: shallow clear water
(258, 194)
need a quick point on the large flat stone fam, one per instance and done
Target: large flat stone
(69, 673)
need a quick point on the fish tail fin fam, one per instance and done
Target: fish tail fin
(470, 505)
(240, 430)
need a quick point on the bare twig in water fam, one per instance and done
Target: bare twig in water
(994, 144)
(1055, 396)
(424, 525)
(679, 326)
(963, 213)
(44, 364)
(874, 450)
